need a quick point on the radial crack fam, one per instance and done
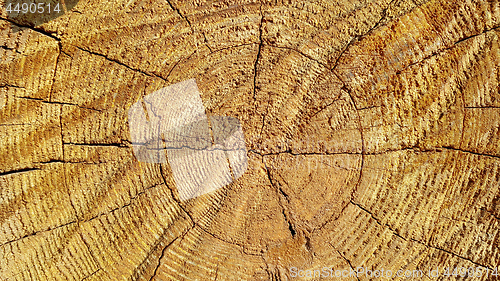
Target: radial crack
(120, 144)
(59, 44)
(359, 37)
(415, 240)
(475, 35)
(19, 171)
(120, 63)
(91, 274)
(165, 248)
(36, 233)
(57, 102)
(225, 241)
(471, 152)
(281, 194)
(346, 260)
(257, 57)
(189, 23)
(39, 30)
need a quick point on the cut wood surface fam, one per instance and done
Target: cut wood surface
(372, 129)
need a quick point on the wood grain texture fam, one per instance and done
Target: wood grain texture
(372, 128)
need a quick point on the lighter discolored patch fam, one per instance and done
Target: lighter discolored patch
(203, 158)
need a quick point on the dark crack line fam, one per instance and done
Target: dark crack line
(358, 38)
(36, 233)
(426, 58)
(453, 254)
(301, 53)
(475, 35)
(175, 198)
(39, 30)
(281, 194)
(482, 107)
(370, 107)
(129, 203)
(377, 220)
(121, 144)
(302, 153)
(348, 91)
(361, 133)
(491, 213)
(59, 44)
(382, 18)
(119, 62)
(349, 44)
(257, 58)
(176, 63)
(189, 23)
(415, 240)
(62, 51)
(34, 99)
(345, 259)
(412, 148)
(56, 102)
(62, 133)
(11, 86)
(225, 241)
(78, 221)
(217, 272)
(206, 148)
(181, 237)
(259, 51)
(206, 41)
(439, 52)
(91, 274)
(10, 49)
(332, 218)
(324, 107)
(139, 269)
(430, 56)
(30, 98)
(25, 170)
(471, 152)
(429, 150)
(179, 13)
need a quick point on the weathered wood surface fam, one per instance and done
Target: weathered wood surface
(373, 130)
